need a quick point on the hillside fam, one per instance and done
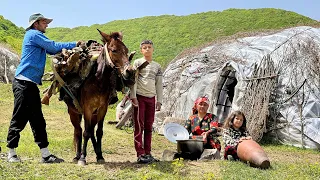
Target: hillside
(10, 34)
(173, 34)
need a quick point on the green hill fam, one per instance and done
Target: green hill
(10, 34)
(173, 34)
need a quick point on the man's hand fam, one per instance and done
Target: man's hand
(158, 106)
(81, 43)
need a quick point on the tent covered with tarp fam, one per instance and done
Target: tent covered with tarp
(273, 77)
(8, 64)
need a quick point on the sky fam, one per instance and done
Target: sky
(74, 13)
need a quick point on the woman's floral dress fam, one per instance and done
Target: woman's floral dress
(197, 126)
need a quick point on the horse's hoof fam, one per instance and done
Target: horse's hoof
(101, 161)
(82, 163)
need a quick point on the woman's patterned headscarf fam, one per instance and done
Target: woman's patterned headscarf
(197, 101)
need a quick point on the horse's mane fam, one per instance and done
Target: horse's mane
(101, 63)
(116, 36)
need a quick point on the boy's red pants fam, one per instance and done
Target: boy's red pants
(143, 124)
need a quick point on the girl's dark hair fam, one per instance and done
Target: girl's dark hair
(229, 121)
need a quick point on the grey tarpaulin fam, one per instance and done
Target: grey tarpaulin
(8, 63)
(221, 70)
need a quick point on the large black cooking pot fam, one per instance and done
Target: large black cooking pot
(190, 149)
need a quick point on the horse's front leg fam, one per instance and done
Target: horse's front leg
(77, 134)
(96, 145)
(99, 133)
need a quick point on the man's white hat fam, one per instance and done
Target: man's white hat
(35, 17)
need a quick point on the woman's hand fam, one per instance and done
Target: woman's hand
(205, 135)
(245, 138)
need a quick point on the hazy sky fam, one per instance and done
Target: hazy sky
(73, 13)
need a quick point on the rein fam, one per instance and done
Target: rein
(63, 85)
(108, 56)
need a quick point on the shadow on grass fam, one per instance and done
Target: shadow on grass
(162, 166)
(122, 165)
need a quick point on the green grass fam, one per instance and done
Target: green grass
(286, 162)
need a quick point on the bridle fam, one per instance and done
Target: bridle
(111, 64)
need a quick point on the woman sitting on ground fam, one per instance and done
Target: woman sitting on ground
(204, 124)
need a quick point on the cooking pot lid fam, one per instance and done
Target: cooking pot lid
(174, 132)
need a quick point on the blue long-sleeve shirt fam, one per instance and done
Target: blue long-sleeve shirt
(35, 46)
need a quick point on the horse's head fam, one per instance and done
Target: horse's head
(114, 53)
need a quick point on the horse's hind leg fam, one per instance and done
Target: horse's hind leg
(77, 135)
(99, 134)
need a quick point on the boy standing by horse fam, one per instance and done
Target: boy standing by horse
(146, 96)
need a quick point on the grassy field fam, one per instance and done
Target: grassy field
(287, 162)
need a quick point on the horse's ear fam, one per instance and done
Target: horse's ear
(105, 37)
(120, 35)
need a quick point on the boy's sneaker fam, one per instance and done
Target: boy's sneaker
(151, 158)
(142, 159)
(52, 159)
(14, 159)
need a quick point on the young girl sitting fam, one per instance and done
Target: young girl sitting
(234, 132)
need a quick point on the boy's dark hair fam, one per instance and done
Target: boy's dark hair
(146, 42)
(229, 121)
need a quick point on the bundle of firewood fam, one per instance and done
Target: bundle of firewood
(78, 60)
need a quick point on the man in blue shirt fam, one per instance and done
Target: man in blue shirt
(27, 102)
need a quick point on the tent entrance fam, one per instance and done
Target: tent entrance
(225, 93)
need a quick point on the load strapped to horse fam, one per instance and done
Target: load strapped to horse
(88, 78)
(72, 67)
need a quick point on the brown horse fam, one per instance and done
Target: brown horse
(96, 92)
